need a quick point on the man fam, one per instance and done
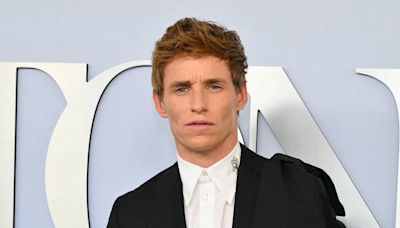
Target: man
(199, 85)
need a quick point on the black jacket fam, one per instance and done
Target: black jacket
(281, 192)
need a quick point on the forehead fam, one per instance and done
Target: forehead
(196, 68)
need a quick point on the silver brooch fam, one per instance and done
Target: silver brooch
(235, 164)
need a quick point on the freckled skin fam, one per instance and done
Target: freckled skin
(201, 103)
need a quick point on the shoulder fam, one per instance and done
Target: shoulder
(299, 178)
(294, 168)
(132, 208)
(148, 190)
(297, 173)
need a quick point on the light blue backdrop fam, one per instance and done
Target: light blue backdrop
(319, 44)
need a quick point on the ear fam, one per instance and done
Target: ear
(241, 98)
(159, 105)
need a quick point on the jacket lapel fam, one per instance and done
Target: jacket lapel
(168, 201)
(247, 186)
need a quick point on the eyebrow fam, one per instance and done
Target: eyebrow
(214, 80)
(188, 83)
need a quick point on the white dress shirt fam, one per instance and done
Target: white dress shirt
(209, 193)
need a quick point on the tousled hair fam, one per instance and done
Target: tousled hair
(190, 37)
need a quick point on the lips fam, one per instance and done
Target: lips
(199, 124)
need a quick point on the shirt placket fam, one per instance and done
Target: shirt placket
(207, 202)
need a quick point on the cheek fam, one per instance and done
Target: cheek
(229, 111)
(173, 116)
(175, 111)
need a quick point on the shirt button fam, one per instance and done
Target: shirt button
(206, 196)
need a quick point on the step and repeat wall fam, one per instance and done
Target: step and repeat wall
(78, 127)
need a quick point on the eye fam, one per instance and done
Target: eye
(215, 87)
(181, 90)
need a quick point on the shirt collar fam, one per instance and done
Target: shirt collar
(222, 174)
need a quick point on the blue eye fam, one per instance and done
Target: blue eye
(215, 87)
(181, 90)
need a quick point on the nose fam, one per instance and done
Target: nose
(198, 101)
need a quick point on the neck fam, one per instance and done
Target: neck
(206, 158)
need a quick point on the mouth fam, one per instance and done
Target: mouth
(199, 124)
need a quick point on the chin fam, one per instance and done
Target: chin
(199, 146)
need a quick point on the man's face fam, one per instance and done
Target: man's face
(201, 103)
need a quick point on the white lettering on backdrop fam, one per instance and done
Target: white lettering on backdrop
(391, 79)
(67, 154)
